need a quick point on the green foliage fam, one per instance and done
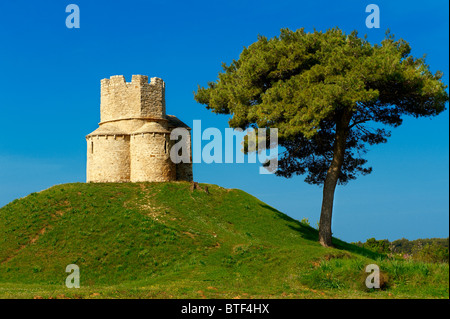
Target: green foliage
(432, 250)
(406, 246)
(311, 85)
(397, 276)
(305, 221)
(432, 253)
(378, 246)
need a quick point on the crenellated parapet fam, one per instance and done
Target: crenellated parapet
(135, 99)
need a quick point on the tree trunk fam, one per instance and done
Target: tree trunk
(331, 180)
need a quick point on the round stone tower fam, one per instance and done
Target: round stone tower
(150, 154)
(108, 155)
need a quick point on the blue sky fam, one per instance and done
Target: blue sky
(50, 96)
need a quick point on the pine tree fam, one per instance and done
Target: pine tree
(330, 95)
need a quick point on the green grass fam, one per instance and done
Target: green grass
(161, 240)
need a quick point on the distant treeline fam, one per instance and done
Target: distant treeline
(427, 250)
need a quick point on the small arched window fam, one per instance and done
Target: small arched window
(92, 147)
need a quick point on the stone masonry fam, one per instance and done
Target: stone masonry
(132, 143)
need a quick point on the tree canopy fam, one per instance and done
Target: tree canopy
(300, 82)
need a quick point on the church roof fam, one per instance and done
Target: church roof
(176, 122)
(151, 127)
(107, 130)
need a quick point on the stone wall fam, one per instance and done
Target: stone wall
(119, 99)
(151, 158)
(184, 170)
(108, 158)
(138, 98)
(153, 101)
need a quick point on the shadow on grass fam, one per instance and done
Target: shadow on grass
(309, 233)
(342, 245)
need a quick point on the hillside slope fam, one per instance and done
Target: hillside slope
(165, 240)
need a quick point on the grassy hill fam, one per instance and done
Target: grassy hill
(165, 240)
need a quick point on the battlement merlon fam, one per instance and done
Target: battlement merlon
(136, 79)
(138, 98)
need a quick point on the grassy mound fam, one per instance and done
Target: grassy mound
(165, 240)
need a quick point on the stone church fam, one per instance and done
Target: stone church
(132, 143)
